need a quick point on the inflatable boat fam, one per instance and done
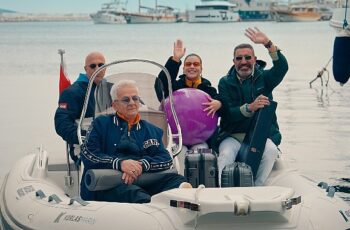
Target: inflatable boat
(41, 191)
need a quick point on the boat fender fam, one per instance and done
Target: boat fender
(341, 59)
(103, 179)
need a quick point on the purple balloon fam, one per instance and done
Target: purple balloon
(196, 126)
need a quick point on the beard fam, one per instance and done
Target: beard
(245, 71)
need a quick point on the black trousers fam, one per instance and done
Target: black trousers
(125, 193)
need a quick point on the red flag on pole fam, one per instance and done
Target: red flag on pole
(64, 80)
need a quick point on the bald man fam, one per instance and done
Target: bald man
(72, 99)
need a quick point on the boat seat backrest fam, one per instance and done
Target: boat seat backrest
(157, 118)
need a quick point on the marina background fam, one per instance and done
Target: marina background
(314, 122)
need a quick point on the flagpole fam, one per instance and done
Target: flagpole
(61, 52)
(68, 178)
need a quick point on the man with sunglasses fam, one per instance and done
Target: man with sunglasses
(72, 99)
(126, 143)
(245, 89)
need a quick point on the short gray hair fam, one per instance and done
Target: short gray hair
(242, 46)
(120, 84)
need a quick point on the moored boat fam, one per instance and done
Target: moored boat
(253, 10)
(110, 13)
(41, 191)
(158, 14)
(341, 18)
(213, 11)
(296, 13)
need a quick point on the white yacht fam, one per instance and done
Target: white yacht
(341, 18)
(110, 13)
(214, 11)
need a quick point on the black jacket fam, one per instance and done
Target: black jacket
(161, 84)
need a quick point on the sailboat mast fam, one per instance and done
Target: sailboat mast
(139, 6)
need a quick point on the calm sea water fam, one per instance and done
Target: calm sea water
(315, 122)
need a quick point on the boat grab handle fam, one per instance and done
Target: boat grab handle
(78, 200)
(40, 194)
(55, 198)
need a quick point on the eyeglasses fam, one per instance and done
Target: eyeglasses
(127, 100)
(195, 64)
(240, 58)
(93, 66)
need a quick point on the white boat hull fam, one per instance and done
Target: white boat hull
(337, 21)
(207, 16)
(108, 19)
(150, 18)
(23, 205)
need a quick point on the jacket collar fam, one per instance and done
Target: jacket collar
(118, 120)
(83, 78)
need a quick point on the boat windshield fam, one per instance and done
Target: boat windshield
(145, 83)
(151, 109)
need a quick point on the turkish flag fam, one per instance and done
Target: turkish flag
(64, 80)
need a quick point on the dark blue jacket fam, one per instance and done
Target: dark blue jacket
(69, 109)
(109, 142)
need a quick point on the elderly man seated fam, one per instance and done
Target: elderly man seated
(125, 142)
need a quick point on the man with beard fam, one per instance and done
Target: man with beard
(244, 90)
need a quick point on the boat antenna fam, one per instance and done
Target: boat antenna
(320, 74)
(345, 23)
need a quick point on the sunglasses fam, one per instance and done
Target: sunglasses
(195, 64)
(93, 66)
(127, 100)
(240, 58)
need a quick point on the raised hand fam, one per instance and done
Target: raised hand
(179, 50)
(256, 36)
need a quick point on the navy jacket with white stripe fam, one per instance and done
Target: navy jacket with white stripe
(109, 142)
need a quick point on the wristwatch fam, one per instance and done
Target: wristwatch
(268, 44)
(247, 108)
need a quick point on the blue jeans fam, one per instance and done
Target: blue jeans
(228, 151)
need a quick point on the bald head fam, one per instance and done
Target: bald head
(92, 61)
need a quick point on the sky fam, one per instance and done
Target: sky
(83, 6)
